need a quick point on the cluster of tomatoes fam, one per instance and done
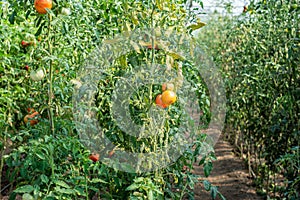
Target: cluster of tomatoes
(32, 116)
(40, 6)
(163, 100)
(167, 97)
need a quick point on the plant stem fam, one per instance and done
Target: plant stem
(153, 48)
(153, 36)
(50, 92)
(52, 164)
(2, 159)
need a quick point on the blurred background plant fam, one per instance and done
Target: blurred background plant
(259, 53)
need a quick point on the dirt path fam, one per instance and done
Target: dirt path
(229, 175)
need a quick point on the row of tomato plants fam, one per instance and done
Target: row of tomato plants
(259, 53)
(43, 45)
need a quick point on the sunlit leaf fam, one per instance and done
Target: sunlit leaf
(135, 46)
(24, 189)
(169, 62)
(198, 25)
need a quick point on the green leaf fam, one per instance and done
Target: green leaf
(80, 191)
(27, 196)
(12, 196)
(12, 17)
(202, 161)
(40, 156)
(44, 178)
(198, 25)
(139, 179)
(39, 21)
(208, 168)
(132, 187)
(64, 191)
(135, 46)
(24, 189)
(39, 31)
(213, 156)
(206, 185)
(27, 14)
(62, 184)
(150, 195)
(98, 180)
(221, 196)
(213, 191)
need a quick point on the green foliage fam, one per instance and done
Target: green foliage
(48, 161)
(259, 53)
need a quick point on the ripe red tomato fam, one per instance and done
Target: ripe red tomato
(32, 118)
(41, 5)
(94, 157)
(159, 102)
(24, 43)
(26, 67)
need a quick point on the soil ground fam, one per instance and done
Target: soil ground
(229, 175)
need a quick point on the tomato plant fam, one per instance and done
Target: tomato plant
(53, 42)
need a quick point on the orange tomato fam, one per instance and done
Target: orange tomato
(159, 102)
(94, 157)
(168, 97)
(41, 5)
(31, 118)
